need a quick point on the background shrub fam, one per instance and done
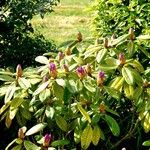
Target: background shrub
(117, 16)
(16, 38)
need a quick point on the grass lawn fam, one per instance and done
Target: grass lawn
(62, 25)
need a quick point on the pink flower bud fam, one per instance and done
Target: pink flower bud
(100, 78)
(122, 59)
(53, 70)
(47, 140)
(19, 71)
(60, 55)
(81, 72)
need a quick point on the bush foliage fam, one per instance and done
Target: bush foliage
(117, 16)
(16, 38)
(96, 96)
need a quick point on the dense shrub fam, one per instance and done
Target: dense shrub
(94, 97)
(117, 16)
(16, 30)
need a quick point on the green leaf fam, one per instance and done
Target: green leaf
(107, 67)
(130, 48)
(67, 95)
(46, 93)
(113, 125)
(101, 55)
(61, 122)
(49, 112)
(61, 82)
(146, 143)
(143, 37)
(10, 92)
(128, 75)
(3, 90)
(71, 85)
(18, 147)
(5, 107)
(41, 88)
(42, 60)
(79, 85)
(12, 113)
(36, 129)
(60, 143)
(84, 113)
(96, 135)
(16, 102)
(6, 78)
(86, 137)
(25, 113)
(91, 51)
(89, 86)
(119, 40)
(113, 92)
(24, 83)
(30, 146)
(58, 91)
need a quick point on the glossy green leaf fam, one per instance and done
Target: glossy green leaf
(89, 86)
(24, 83)
(3, 90)
(25, 113)
(128, 75)
(61, 122)
(5, 107)
(6, 78)
(10, 92)
(107, 67)
(42, 60)
(31, 146)
(12, 113)
(119, 40)
(84, 113)
(8, 121)
(143, 37)
(146, 143)
(36, 129)
(18, 147)
(91, 51)
(46, 93)
(79, 85)
(41, 88)
(49, 112)
(16, 102)
(60, 143)
(113, 125)
(130, 48)
(101, 55)
(71, 85)
(61, 82)
(58, 91)
(96, 135)
(113, 92)
(86, 137)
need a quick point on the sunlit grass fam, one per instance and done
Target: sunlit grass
(68, 18)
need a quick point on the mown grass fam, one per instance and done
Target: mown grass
(69, 17)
